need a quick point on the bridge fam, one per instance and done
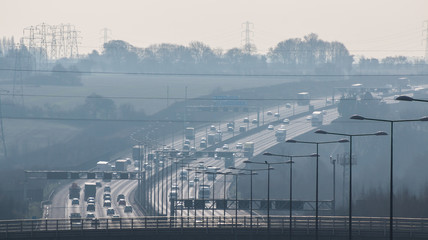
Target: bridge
(213, 227)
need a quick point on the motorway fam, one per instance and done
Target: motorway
(61, 206)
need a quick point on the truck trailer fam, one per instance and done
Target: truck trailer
(90, 190)
(74, 191)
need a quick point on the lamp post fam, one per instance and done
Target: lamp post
(224, 190)
(317, 172)
(251, 187)
(214, 177)
(391, 175)
(409, 99)
(379, 133)
(268, 190)
(291, 179)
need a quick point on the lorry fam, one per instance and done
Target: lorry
(204, 192)
(103, 166)
(248, 149)
(74, 191)
(211, 139)
(303, 98)
(90, 190)
(189, 133)
(211, 173)
(121, 165)
(137, 152)
(280, 135)
(317, 117)
(229, 162)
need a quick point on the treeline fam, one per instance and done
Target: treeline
(94, 107)
(307, 55)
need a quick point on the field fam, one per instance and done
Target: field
(144, 92)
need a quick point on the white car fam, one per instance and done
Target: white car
(225, 147)
(286, 121)
(270, 127)
(239, 145)
(276, 114)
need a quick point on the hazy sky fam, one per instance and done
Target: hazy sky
(375, 28)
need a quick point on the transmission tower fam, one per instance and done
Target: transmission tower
(106, 37)
(249, 46)
(18, 85)
(426, 40)
(3, 143)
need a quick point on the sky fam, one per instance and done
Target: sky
(373, 28)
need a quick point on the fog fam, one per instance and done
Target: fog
(69, 113)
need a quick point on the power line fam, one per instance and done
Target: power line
(215, 74)
(180, 121)
(177, 98)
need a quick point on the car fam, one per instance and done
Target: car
(110, 211)
(90, 207)
(203, 144)
(230, 129)
(75, 201)
(196, 179)
(91, 200)
(201, 166)
(120, 196)
(173, 195)
(246, 120)
(286, 121)
(107, 203)
(98, 184)
(270, 127)
(212, 128)
(288, 105)
(242, 129)
(192, 149)
(276, 115)
(187, 142)
(309, 118)
(115, 217)
(127, 209)
(122, 202)
(161, 163)
(186, 147)
(106, 196)
(239, 145)
(179, 205)
(175, 188)
(107, 189)
(191, 183)
(225, 147)
(147, 166)
(254, 121)
(269, 113)
(90, 216)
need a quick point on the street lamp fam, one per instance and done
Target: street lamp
(251, 188)
(391, 181)
(213, 173)
(409, 99)
(224, 190)
(268, 192)
(316, 182)
(291, 178)
(379, 133)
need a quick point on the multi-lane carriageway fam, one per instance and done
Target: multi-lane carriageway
(61, 206)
